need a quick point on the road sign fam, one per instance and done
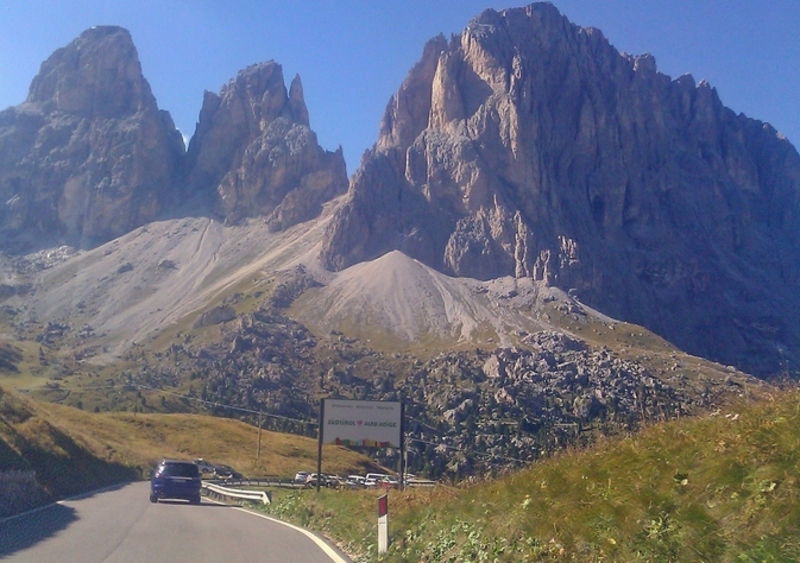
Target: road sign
(375, 424)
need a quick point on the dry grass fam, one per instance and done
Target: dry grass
(141, 439)
(72, 450)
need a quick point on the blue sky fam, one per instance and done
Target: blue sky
(353, 54)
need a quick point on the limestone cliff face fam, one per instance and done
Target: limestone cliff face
(88, 156)
(530, 147)
(254, 154)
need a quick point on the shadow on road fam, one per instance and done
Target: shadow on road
(207, 503)
(20, 533)
(90, 494)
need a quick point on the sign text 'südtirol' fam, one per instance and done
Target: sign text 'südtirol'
(374, 424)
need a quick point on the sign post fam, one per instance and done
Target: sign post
(402, 447)
(383, 524)
(365, 424)
(321, 441)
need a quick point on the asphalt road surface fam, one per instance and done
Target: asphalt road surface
(120, 525)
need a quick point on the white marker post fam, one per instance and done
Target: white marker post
(383, 524)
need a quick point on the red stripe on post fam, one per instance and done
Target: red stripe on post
(383, 505)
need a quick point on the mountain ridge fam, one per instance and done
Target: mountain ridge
(543, 152)
(549, 240)
(88, 156)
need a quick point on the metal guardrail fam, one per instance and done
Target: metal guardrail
(258, 496)
(289, 483)
(420, 483)
(260, 482)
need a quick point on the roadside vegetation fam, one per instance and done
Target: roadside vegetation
(39, 461)
(724, 487)
(50, 451)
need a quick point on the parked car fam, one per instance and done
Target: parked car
(389, 482)
(204, 466)
(226, 473)
(175, 479)
(301, 477)
(325, 480)
(374, 479)
(333, 481)
(355, 481)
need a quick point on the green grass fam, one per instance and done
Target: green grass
(718, 488)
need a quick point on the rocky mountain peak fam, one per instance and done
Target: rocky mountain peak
(407, 112)
(97, 74)
(297, 102)
(88, 156)
(254, 154)
(528, 146)
(257, 95)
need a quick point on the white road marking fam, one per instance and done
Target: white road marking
(329, 551)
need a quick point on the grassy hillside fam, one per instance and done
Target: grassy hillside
(719, 488)
(136, 439)
(31, 442)
(72, 451)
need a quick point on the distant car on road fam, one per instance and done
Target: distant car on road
(374, 479)
(389, 482)
(226, 473)
(176, 479)
(326, 480)
(301, 477)
(204, 466)
(334, 481)
(355, 481)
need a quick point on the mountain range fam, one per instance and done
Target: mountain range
(547, 235)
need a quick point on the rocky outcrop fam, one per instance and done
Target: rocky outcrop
(484, 409)
(528, 146)
(215, 316)
(253, 152)
(88, 156)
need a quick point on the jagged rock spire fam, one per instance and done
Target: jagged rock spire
(254, 154)
(88, 156)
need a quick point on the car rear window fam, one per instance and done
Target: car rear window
(179, 470)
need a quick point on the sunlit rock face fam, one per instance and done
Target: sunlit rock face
(88, 156)
(254, 154)
(528, 146)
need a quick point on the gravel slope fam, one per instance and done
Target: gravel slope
(133, 287)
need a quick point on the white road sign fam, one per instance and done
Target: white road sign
(373, 424)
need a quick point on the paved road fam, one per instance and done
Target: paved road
(121, 525)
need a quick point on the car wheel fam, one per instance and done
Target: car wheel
(195, 500)
(153, 498)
